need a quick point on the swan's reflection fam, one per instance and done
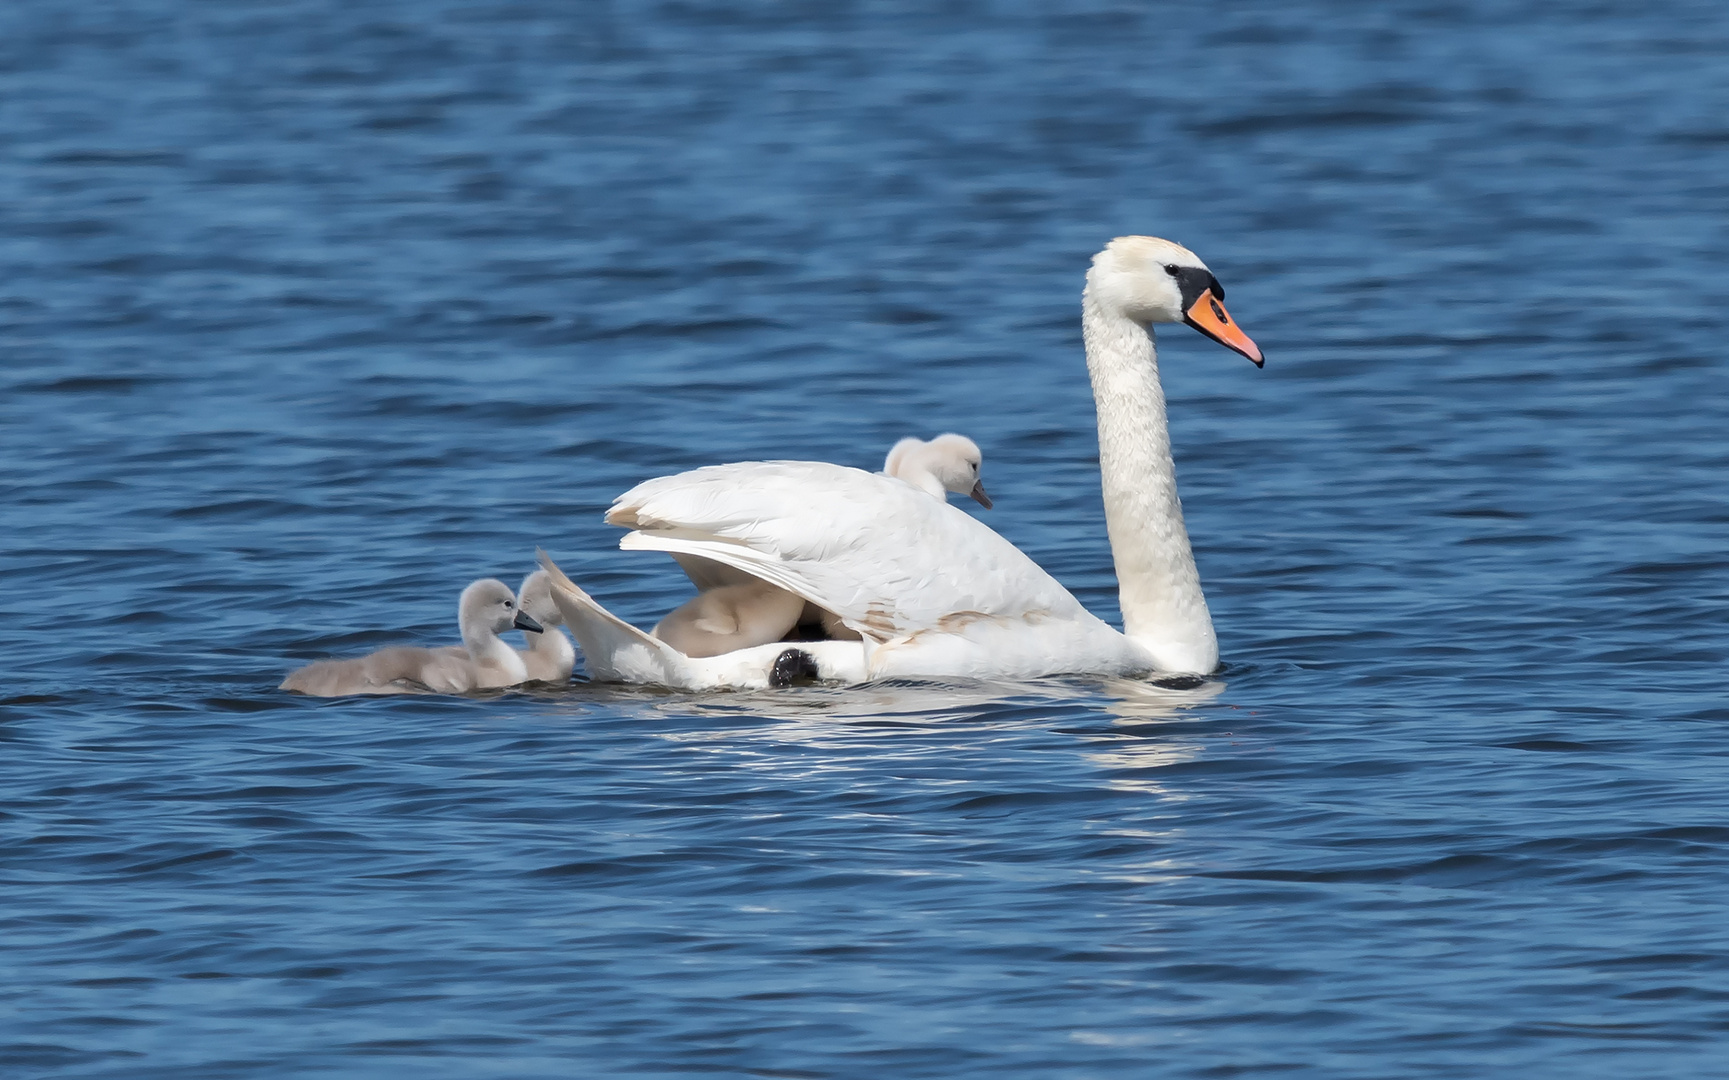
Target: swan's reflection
(1141, 700)
(830, 715)
(1131, 752)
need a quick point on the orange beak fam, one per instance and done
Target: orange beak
(1207, 314)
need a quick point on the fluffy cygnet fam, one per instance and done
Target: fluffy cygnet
(487, 608)
(947, 463)
(550, 656)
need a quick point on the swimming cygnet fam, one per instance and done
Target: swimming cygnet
(947, 463)
(550, 656)
(745, 614)
(487, 608)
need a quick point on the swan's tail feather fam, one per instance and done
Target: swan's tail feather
(612, 648)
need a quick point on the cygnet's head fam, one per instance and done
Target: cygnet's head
(1155, 281)
(948, 462)
(489, 606)
(535, 599)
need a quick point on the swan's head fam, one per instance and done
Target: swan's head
(535, 599)
(948, 462)
(1155, 281)
(488, 606)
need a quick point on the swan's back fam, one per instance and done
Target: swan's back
(886, 557)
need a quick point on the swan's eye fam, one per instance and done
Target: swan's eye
(1172, 269)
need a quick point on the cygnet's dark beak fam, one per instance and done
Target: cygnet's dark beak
(523, 622)
(979, 496)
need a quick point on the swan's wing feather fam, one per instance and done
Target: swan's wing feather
(706, 574)
(886, 557)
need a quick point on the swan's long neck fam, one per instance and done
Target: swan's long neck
(1158, 585)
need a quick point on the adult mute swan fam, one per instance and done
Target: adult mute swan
(932, 591)
(550, 657)
(486, 609)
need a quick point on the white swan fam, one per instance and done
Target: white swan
(550, 657)
(486, 609)
(932, 591)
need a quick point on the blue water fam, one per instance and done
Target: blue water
(311, 312)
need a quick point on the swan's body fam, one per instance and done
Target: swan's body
(550, 657)
(486, 609)
(931, 591)
(736, 610)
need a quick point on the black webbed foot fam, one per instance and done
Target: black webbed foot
(791, 666)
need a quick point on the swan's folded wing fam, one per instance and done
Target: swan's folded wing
(886, 557)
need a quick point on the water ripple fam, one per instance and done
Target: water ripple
(315, 312)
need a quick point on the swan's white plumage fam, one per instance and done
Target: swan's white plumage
(820, 530)
(931, 589)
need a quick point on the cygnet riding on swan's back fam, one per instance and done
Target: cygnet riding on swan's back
(550, 657)
(932, 591)
(948, 462)
(743, 611)
(487, 608)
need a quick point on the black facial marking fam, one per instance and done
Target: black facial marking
(1192, 281)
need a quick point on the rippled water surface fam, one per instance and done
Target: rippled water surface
(310, 312)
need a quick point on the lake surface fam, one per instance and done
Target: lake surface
(311, 312)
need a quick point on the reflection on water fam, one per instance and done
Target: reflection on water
(1134, 699)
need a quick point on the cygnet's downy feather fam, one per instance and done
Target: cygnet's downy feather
(486, 609)
(948, 462)
(550, 656)
(730, 618)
